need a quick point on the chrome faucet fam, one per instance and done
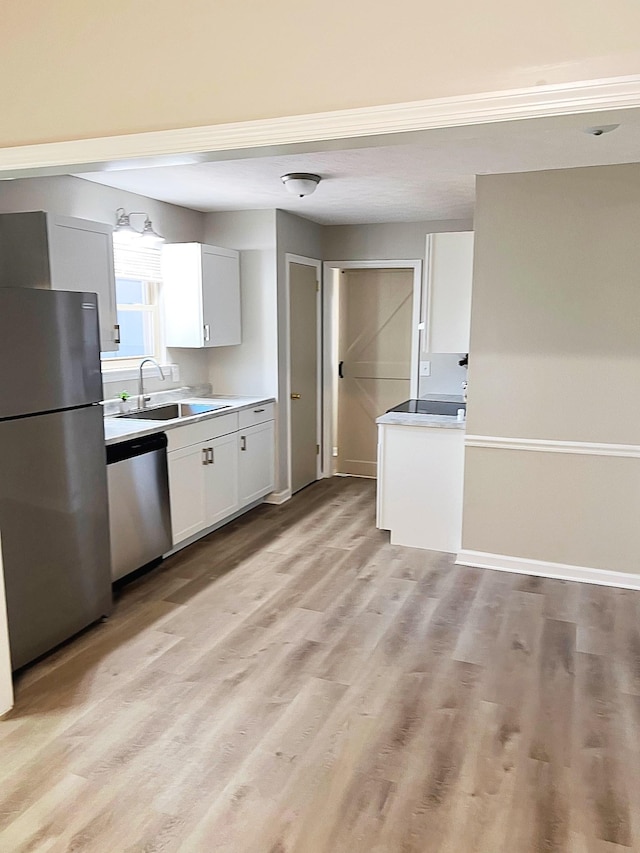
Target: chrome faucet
(142, 399)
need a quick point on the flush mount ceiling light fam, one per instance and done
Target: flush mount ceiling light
(125, 233)
(301, 183)
(599, 130)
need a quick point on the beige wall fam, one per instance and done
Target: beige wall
(555, 355)
(84, 68)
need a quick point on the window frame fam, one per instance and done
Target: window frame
(144, 269)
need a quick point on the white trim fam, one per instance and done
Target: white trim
(331, 335)
(277, 498)
(190, 145)
(588, 448)
(544, 569)
(289, 259)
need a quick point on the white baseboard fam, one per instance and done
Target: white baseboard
(278, 498)
(541, 568)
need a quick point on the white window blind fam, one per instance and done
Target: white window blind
(137, 262)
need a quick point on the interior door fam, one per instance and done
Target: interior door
(375, 310)
(303, 316)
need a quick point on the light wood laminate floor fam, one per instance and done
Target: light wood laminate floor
(295, 683)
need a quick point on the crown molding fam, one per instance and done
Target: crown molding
(190, 145)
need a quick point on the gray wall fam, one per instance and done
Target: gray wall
(70, 196)
(555, 355)
(251, 367)
(389, 241)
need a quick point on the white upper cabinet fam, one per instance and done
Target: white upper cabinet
(81, 255)
(449, 279)
(201, 286)
(41, 249)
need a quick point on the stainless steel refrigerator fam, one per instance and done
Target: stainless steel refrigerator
(54, 526)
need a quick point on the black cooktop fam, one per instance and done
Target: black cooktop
(428, 407)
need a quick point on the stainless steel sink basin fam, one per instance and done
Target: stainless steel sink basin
(174, 410)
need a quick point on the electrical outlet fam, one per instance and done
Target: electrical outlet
(425, 368)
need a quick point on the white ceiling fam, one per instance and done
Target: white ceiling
(425, 176)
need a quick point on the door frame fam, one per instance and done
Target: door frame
(331, 271)
(291, 258)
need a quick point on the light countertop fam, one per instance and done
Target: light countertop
(431, 421)
(122, 429)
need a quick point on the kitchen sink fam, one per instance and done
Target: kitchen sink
(174, 410)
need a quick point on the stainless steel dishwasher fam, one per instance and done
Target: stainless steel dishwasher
(139, 512)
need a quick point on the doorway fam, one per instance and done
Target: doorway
(305, 364)
(374, 308)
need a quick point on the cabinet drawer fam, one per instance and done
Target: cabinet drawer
(183, 436)
(256, 415)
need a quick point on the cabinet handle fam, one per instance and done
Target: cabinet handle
(205, 456)
(207, 332)
(116, 336)
(243, 442)
(257, 411)
(296, 396)
(210, 455)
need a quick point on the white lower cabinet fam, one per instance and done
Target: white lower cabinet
(213, 479)
(420, 480)
(256, 462)
(187, 491)
(221, 474)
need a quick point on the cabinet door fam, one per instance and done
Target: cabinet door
(450, 278)
(222, 477)
(256, 462)
(81, 255)
(220, 298)
(188, 491)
